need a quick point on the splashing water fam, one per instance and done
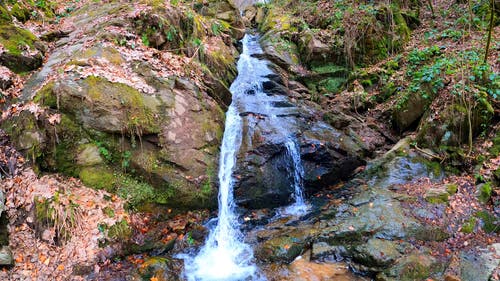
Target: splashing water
(225, 256)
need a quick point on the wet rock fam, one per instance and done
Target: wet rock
(283, 240)
(301, 269)
(402, 165)
(161, 268)
(274, 88)
(264, 177)
(325, 251)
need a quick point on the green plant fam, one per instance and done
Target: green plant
(145, 39)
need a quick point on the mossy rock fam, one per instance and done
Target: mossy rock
(484, 192)
(99, 177)
(16, 41)
(27, 135)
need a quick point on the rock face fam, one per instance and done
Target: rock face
(265, 167)
(154, 115)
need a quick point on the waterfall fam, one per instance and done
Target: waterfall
(299, 207)
(225, 256)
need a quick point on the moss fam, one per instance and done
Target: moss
(99, 177)
(140, 118)
(468, 226)
(20, 12)
(14, 39)
(452, 188)
(331, 85)
(415, 271)
(120, 231)
(45, 96)
(485, 191)
(5, 17)
(434, 168)
(441, 198)
(490, 223)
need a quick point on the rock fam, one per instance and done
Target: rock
(372, 213)
(249, 15)
(317, 47)
(376, 253)
(165, 128)
(161, 269)
(6, 256)
(280, 51)
(450, 126)
(408, 113)
(89, 156)
(301, 269)
(478, 264)
(264, 173)
(393, 170)
(413, 266)
(440, 193)
(6, 78)
(23, 52)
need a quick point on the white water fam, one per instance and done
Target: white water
(225, 256)
(299, 207)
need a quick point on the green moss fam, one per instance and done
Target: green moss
(99, 177)
(331, 85)
(45, 96)
(468, 226)
(120, 231)
(20, 12)
(452, 188)
(485, 191)
(490, 223)
(5, 17)
(441, 198)
(140, 117)
(415, 271)
(14, 39)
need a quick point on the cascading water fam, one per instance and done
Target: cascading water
(299, 207)
(225, 256)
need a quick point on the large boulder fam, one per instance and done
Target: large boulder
(143, 122)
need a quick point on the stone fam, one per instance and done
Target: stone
(6, 256)
(6, 78)
(376, 252)
(478, 264)
(89, 156)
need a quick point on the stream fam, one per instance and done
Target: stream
(225, 256)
